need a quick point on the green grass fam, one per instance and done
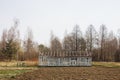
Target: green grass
(107, 64)
(10, 73)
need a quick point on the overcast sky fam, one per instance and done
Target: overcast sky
(42, 16)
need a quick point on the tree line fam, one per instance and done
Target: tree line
(104, 45)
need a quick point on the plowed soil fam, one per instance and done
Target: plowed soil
(71, 73)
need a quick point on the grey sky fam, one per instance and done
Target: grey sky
(42, 16)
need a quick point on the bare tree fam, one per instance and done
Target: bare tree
(30, 47)
(28, 44)
(55, 43)
(91, 37)
(117, 53)
(103, 37)
(68, 43)
(77, 36)
(110, 47)
(118, 38)
(74, 41)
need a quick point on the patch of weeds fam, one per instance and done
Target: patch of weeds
(11, 73)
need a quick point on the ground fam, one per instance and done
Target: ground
(99, 71)
(71, 73)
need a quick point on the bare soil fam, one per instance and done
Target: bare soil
(71, 73)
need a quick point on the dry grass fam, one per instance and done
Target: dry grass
(18, 63)
(35, 63)
(107, 64)
(8, 64)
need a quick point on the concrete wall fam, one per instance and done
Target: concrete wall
(67, 61)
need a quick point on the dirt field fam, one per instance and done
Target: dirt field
(71, 73)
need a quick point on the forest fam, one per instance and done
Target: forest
(103, 44)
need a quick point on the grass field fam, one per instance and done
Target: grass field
(35, 63)
(107, 64)
(19, 64)
(13, 68)
(107, 70)
(4, 74)
(11, 72)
